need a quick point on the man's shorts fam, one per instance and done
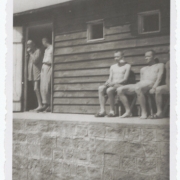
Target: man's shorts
(113, 88)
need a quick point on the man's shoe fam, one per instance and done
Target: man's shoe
(111, 115)
(100, 114)
(48, 109)
(45, 106)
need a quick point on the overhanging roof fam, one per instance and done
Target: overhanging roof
(22, 6)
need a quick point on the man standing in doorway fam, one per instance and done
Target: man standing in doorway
(34, 69)
(45, 85)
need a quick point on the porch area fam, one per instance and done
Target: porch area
(87, 118)
(82, 147)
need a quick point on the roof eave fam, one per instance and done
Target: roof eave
(42, 9)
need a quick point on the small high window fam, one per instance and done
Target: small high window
(149, 22)
(95, 30)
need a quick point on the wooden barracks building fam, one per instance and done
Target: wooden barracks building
(84, 35)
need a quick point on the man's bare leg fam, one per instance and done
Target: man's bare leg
(111, 93)
(140, 90)
(38, 95)
(102, 98)
(159, 101)
(122, 91)
(150, 105)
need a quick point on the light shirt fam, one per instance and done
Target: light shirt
(34, 65)
(48, 55)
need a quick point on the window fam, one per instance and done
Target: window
(95, 30)
(149, 22)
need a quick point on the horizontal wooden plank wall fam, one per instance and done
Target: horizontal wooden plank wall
(80, 67)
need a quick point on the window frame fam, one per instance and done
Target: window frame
(141, 22)
(89, 25)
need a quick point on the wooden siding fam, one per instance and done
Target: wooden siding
(80, 67)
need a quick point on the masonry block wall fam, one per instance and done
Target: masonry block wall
(59, 150)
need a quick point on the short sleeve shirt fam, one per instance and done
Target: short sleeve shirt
(48, 54)
(34, 65)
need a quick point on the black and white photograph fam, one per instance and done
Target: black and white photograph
(91, 90)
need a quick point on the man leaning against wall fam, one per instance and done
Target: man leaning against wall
(45, 84)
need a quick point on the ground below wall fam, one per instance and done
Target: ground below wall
(85, 150)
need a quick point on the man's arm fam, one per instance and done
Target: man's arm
(49, 56)
(28, 52)
(36, 56)
(110, 77)
(126, 75)
(142, 73)
(27, 56)
(159, 76)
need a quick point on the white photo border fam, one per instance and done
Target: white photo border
(6, 88)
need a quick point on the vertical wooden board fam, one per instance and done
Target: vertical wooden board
(16, 106)
(17, 35)
(17, 72)
(17, 67)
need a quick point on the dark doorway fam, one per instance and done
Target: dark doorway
(36, 33)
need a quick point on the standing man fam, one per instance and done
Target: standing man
(46, 71)
(34, 69)
(150, 77)
(119, 74)
(160, 91)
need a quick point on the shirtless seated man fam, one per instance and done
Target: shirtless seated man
(160, 91)
(150, 78)
(119, 74)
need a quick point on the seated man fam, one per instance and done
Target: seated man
(150, 78)
(119, 74)
(162, 90)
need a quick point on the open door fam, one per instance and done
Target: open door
(34, 32)
(17, 67)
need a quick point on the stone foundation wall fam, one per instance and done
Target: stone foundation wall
(59, 150)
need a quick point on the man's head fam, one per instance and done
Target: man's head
(30, 44)
(45, 42)
(119, 56)
(150, 56)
